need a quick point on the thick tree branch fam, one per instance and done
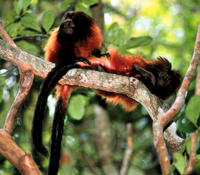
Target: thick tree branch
(21, 160)
(129, 86)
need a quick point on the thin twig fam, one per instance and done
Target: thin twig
(193, 160)
(26, 83)
(30, 36)
(128, 151)
(14, 20)
(197, 91)
(72, 6)
(104, 141)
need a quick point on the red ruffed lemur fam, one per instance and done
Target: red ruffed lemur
(77, 40)
(157, 76)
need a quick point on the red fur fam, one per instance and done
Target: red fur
(122, 65)
(53, 47)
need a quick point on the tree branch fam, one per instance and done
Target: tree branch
(26, 83)
(159, 124)
(193, 161)
(129, 150)
(103, 140)
(21, 160)
(129, 86)
(26, 78)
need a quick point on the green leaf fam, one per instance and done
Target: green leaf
(66, 4)
(81, 7)
(1, 94)
(14, 29)
(2, 80)
(44, 42)
(179, 162)
(116, 34)
(18, 5)
(28, 21)
(188, 145)
(137, 42)
(184, 125)
(76, 107)
(89, 2)
(192, 110)
(28, 47)
(47, 20)
(10, 17)
(27, 32)
(198, 157)
(26, 3)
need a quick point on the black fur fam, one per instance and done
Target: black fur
(56, 137)
(81, 30)
(160, 79)
(49, 83)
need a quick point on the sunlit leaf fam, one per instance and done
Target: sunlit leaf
(28, 21)
(18, 5)
(66, 4)
(115, 34)
(10, 17)
(27, 32)
(188, 145)
(137, 42)
(76, 107)
(81, 7)
(47, 20)
(26, 3)
(2, 80)
(28, 47)
(14, 29)
(192, 110)
(179, 162)
(89, 2)
(1, 94)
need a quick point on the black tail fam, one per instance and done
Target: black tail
(49, 83)
(56, 137)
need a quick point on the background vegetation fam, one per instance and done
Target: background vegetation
(172, 25)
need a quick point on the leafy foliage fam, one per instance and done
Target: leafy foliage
(192, 110)
(47, 20)
(76, 107)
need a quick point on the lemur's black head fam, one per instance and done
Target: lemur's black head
(75, 26)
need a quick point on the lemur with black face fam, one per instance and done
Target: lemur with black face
(77, 39)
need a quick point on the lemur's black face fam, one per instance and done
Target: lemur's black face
(159, 78)
(76, 26)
